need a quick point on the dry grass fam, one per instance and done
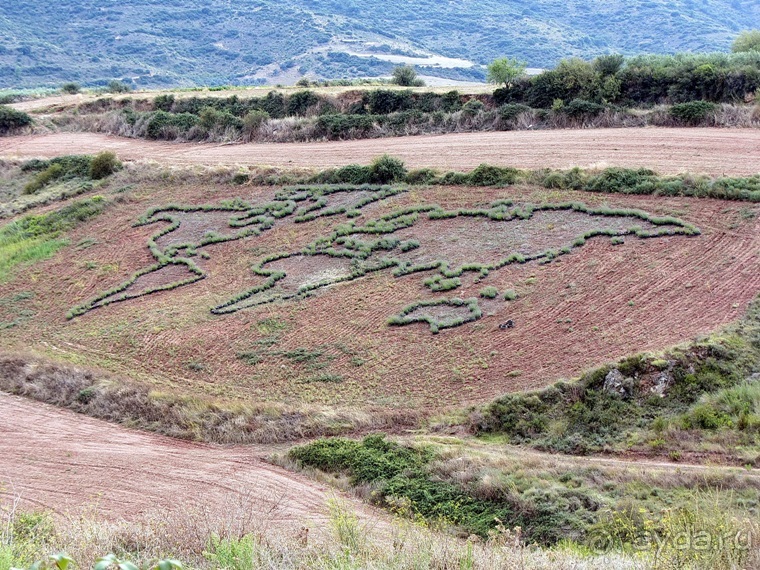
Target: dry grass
(122, 401)
(201, 538)
(304, 129)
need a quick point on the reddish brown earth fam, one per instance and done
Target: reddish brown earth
(732, 152)
(596, 304)
(55, 459)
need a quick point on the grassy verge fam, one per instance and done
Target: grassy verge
(703, 399)
(36, 237)
(205, 539)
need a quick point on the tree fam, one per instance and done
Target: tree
(71, 88)
(748, 40)
(406, 76)
(505, 70)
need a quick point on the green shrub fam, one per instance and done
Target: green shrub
(472, 107)
(387, 170)
(163, 102)
(116, 86)
(421, 176)
(104, 164)
(254, 120)
(71, 88)
(406, 76)
(489, 292)
(300, 102)
(693, 112)
(511, 111)
(385, 101)
(211, 118)
(42, 179)
(580, 108)
(335, 126)
(486, 175)
(351, 174)
(161, 122)
(12, 120)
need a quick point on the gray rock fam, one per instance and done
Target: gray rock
(615, 382)
(661, 384)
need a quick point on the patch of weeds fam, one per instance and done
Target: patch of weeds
(302, 355)
(322, 378)
(271, 325)
(489, 292)
(196, 366)
(251, 357)
(85, 243)
(700, 388)
(357, 361)
(510, 295)
(440, 283)
(37, 237)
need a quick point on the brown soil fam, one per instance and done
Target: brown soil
(58, 460)
(732, 152)
(596, 304)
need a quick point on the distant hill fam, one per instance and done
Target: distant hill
(189, 42)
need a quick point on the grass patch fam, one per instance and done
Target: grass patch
(37, 237)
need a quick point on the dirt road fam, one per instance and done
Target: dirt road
(733, 152)
(59, 460)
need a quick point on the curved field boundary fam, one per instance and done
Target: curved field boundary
(65, 462)
(730, 152)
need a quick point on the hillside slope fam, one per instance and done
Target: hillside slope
(183, 42)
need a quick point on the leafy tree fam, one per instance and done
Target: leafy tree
(71, 88)
(505, 70)
(406, 76)
(116, 86)
(748, 40)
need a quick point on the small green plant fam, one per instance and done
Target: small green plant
(510, 295)
(489, 292)
(103, 165)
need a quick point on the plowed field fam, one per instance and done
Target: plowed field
(732, 152)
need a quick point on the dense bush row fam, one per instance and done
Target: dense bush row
(642, 80)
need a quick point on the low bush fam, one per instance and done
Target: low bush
(693, 112)
(386, 170)
(103, 165)
(12, 120)
(71, 88)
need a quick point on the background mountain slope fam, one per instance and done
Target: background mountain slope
(183, 42)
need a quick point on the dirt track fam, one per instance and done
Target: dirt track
(58, 460)
(701, 150)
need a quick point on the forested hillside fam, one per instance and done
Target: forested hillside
(184, 42)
